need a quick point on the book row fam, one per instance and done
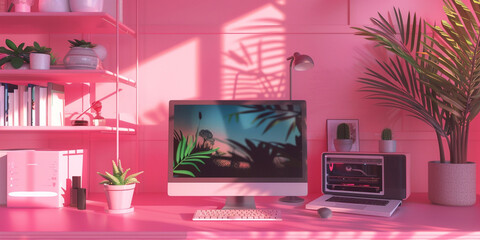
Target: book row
(31, 105)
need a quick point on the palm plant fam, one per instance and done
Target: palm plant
(434, 76)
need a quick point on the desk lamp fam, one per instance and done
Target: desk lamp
(298, 62)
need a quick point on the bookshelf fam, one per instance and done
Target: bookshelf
(92, 26)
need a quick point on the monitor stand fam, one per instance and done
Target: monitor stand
(291, 199)
(240, 203)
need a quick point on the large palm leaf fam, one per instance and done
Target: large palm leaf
(445, 66)
(397, 83)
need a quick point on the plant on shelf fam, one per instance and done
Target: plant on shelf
(434, 75)
(81, 55)
(40, 56)
(343, 142)
(80, 43)
(387, 144)
(119, 188)
(16, 57)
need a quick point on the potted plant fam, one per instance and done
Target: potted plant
(343, 142)
(81, 55)
(433, 74)
(40, 56)
(16, 56)
(386, 144)
(119, 188)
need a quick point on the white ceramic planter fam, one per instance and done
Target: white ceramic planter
(452, 184)
(81, 58)
(8, 66)
(387, 146)
(343, 145)
(86, 5)
(39, 61)
(22, 5)
(53, 6)
(119, 197)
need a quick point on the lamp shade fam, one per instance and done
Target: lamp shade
(302, 62)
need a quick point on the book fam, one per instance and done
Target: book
(29, 105)
(42, 106)
(10, 109)
(55, 104)
(2, 105)
(22, 105)
(16, 108)
(33, 111)
(36, 96)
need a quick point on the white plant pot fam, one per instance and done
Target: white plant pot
(22, 5)
(8, 66)
(81, 58)
(40, 61)
(387, 146)
(343, 145)
(53, 6)
(119, 197)
(452, 184)
(86, 5)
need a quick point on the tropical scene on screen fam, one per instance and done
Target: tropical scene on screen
(237, 141)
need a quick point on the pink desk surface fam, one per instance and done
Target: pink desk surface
(159, 216)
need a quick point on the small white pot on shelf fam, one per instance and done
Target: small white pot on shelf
(53, 6)
(22, 5)
(86, 5)
(39, 61)
(81, 58)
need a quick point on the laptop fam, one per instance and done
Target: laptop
(363, 183)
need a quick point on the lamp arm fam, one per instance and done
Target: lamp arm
(290, 81)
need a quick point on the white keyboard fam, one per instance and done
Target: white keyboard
(238, 215)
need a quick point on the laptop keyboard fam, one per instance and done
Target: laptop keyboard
(358, 201)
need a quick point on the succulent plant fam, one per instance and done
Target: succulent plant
(387, 134)
(119, 177)
(36, 48)
(16, 55)
(80, 43)
(343, 131)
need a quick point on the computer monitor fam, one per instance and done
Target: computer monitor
(237, 149)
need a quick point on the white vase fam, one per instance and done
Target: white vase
(119, 197)
(86, 5)
(387, 146)
(53, 6)
(81, 58)
(452, 184)
(39, 61)
(22, 5)
(343, 145)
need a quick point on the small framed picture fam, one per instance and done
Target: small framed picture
(332, 125)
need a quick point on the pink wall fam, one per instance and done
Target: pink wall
(193, 49)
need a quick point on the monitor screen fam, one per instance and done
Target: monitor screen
(237, 142)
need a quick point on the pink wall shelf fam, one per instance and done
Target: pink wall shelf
(71, 22)
(53, 129)
(60, 76)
